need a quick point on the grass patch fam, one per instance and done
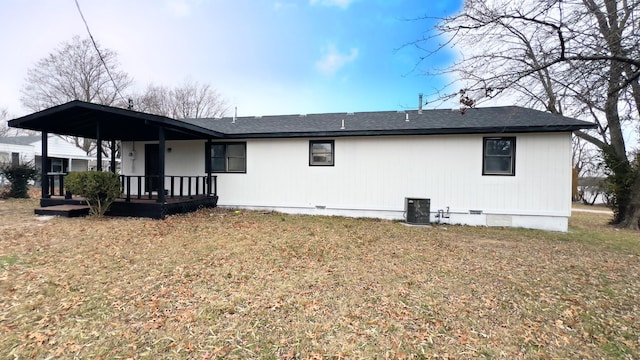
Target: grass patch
(217, 283)
(593, 230)
(7, 260)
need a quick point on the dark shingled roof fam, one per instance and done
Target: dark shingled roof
(478, 120)
(78, 118)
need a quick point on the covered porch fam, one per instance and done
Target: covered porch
(154, 194)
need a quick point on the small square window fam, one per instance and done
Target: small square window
(321, 152)
(499, 156)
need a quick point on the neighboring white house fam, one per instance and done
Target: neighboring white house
(12, 150)
(502, 166)
(64, 156)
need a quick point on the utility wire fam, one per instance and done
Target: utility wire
(99, 54)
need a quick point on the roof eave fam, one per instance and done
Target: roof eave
(185, 127)
(446, 131)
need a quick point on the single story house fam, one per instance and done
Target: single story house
(497, 166)
(14, 150)
(64, 156)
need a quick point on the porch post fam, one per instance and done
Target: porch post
(161, 157)
(44, 179)
(113, 156)
(207, 160)
(98, 147)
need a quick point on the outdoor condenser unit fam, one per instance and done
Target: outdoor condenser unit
(417, 211)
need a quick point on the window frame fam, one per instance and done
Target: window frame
(209, 157)
(332, 153)
(512, 155)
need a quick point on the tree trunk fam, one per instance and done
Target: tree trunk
(620, 180)
(632, 214)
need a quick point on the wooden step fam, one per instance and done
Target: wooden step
(63, 210)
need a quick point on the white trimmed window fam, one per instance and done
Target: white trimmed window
(499, 156)
(321, 152)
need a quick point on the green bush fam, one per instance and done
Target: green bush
(19, 177)
(99, 188)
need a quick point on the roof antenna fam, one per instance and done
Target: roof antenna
(235, 115)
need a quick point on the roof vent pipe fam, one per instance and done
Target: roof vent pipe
(420, 103)
(342, 127)
(235, 115)
(406, 117)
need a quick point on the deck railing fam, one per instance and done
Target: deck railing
(143, 187)
(56, 182)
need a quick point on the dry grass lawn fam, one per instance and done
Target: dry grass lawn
(221, 284)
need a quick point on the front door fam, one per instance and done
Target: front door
(152, 167)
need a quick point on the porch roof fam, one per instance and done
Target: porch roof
(79, 118)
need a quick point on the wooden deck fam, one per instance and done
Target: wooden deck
(150, 208)
(63, 210)
(183, 193)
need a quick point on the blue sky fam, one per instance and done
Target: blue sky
(265, 57)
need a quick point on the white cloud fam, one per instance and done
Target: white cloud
(339, 3)
(332, 60)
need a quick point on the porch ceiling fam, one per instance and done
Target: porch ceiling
(79, 118)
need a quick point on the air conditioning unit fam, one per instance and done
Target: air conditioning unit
(417, 211)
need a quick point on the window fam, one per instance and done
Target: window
(321, 152)
(15, 159)
(227, 157)
(58, 165)
(499, 156)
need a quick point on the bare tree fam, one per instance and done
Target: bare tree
(155, 100)
(76, 70)
(4, 128)
(574, 57)
(190, 100)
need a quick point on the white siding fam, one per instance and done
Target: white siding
(372, 176)
(78, 165)
(25, 151)
(57, 148)
(185, 158)
(60, 148)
